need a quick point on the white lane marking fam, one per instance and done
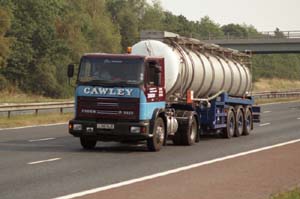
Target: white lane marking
(43, 161)
(265, 124)
(25, 127)
(177, 170)
(267, 111)
(298, 118)
(43, 139)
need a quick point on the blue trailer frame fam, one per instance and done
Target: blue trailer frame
(214, 117)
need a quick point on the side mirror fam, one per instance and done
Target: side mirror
(70, 70)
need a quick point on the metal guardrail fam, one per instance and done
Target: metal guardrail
(295, 34)
(276, 94)
(37, 107)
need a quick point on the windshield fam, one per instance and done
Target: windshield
(111, 70)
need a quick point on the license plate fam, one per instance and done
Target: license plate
(105, 126)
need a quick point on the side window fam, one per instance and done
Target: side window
(153, 74)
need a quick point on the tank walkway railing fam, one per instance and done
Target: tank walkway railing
(265, 35)
(36, 108)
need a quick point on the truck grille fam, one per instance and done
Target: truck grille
(108, 108)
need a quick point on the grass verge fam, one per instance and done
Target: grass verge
(293, 194)
(29, 120)
(18, 97)
(276, 100)
(275, 84)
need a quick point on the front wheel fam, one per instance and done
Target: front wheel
(88, 143)
(158, 136)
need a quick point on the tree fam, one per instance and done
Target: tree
(251, 30)
(278, 33)
(207, 28)
(35, 42)
(235, 31)
(4, 40)
(126, 15)
(152, 18)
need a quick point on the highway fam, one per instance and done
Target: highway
(46, 162)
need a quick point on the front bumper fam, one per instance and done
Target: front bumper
(121, 131)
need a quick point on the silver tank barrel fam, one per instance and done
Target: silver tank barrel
(204, 72)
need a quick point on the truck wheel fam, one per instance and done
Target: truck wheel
(88, 143)
(189, 134)
(239, 123)
(228, 132)
(247, 122)
(177, 137)
(157, 140)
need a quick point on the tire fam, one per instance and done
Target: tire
(189, 134)
(88, 143)
(228, 132)
(247, 122)
(239, 125)
(157, 140)
(198, 135)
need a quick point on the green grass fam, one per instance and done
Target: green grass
(18, 97)
(275, 84)
(293, 194)
(28, 120)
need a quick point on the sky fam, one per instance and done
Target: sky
(264, 15)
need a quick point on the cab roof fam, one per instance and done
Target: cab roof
(107, 55)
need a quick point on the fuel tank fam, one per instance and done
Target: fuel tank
(204, 72)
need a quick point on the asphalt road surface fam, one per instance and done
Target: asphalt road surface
(46, 162)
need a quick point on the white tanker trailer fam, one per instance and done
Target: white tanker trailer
(192, 65)
(168, 87)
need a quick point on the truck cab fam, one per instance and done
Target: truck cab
(116, 97)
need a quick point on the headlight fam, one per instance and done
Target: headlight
(135, 129)
(77, 127)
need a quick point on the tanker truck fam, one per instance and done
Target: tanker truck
(167, 87)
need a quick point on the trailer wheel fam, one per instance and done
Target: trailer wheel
(247, 122)
(88, 143)
(239, 128)
(228, 132)
(157, 140)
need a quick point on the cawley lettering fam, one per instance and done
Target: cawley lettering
(108, 91)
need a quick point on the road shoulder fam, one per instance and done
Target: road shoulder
(253, 176)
